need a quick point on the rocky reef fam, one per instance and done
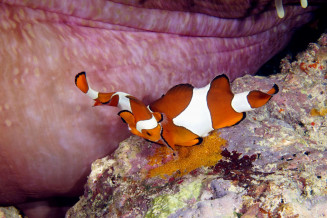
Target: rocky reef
(272, 164)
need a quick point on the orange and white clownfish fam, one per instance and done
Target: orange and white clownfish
(185, 114)
(141, 121)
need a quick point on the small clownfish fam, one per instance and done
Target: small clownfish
(185, 114)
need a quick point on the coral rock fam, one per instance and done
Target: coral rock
(273, 164)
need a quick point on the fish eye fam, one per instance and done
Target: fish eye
(149, 134)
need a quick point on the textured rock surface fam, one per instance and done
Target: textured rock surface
(274, 164)
(9, 212)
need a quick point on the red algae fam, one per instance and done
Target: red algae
(207, 154)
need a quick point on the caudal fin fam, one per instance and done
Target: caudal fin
(81, 82)
(274, 90)
(257, 98)
(98, 97)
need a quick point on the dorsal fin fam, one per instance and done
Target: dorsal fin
(139, 109)
(174, 101)
(105, 98)
(221, 84)
(219, 101)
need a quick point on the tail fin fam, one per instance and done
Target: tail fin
(99, 98)
(81, 82)
(257, 98)
(274, 90)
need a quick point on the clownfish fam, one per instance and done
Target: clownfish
(185, 114)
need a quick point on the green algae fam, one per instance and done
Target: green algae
(165, 205)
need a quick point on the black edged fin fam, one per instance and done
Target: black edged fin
(175, 93)
(244, 116)
(149, 140)
(165, 142)
(158, 116)
(113, 100)
(200, 140)
(161, 119)
(123, 120)
(275, 86)
(221, 76)
(106, 99)
(274, 90)
(81, 82)
(127, 116)
(174, 101)
(181, 86)
(78, 75)
(122, 111)
(139, 109)
(220, 84)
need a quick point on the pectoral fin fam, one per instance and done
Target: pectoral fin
(127, 117)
